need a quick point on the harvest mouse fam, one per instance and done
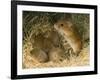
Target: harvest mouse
(39, 55)
(56, 55)
(65, 28)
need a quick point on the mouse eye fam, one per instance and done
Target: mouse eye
(62, 24)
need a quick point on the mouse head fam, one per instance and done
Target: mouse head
(63, 26)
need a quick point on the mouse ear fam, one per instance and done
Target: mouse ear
(69, 23)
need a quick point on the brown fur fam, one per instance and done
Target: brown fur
(70, 34)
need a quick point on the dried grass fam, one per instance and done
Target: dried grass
(30, 62)
(35, 23)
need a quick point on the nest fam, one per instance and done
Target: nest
(41, 23)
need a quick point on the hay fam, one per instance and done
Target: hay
(30, 62)
(35, 23)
